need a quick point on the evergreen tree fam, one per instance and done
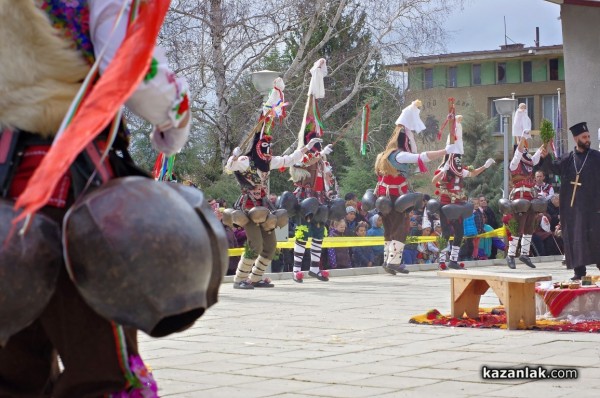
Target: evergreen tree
(479, 146)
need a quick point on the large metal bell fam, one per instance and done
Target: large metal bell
(384, 205)
(29, 267)
(258, 214)
(270, 223)
(309, 206)
(456, 211)
(409, 201)
(539, 205)
(145, 254)
(337, 209)
(433, 206)
(368, 200)
(239, 218)
(521, 205)
(227, 219)
(505, 206)
(282, 217)
(287, 201)
(322, 214)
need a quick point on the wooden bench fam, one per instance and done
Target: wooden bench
(515, 291)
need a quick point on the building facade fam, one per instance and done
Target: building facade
(534, 75)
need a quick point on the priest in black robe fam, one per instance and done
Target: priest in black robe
(579, 172)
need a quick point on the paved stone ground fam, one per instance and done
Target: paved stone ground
(350, 337)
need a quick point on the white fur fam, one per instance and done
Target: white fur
(40, 72)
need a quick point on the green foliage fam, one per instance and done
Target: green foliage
(140, 148)
(441, 242)
(345, 53)
(358, 178)
(226, 187)
(429, 135)
(248, 252)
(513, 227)
(479, 146)
(546, 131)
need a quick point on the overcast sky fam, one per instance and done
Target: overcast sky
(480, 25)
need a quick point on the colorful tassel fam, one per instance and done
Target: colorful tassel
(365, 129)
(118, 82)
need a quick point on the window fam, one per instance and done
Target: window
(451, 77)
(553, 68)
(501, 72)
(428, 78)
(550, 109)
(527, 71)
(551, 112)
(476, 74)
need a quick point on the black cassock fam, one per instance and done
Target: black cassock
(581, 223)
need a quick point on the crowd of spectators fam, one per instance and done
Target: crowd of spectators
(357, 222)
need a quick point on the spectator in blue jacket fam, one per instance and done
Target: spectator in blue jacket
(362, 256)
(377, 230)
(338, 257)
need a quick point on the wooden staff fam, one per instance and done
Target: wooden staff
(452, 118)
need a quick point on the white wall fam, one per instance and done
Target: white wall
(581, 43)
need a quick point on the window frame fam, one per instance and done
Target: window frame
(498, 66)
(452, 76)
(553, 71)
(476, 74)
(526, 71)
(427, 78)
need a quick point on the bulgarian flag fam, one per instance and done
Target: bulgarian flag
(364, 135)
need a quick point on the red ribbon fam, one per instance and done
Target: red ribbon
(115, 86)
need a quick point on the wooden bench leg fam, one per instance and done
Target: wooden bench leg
(520, 304)
(466, 294)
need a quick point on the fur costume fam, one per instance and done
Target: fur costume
(55, 70)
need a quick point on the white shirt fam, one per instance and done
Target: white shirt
(154, 99)
(242, 163)
(514, 163)
(409, 157)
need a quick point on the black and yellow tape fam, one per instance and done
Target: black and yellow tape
(354, 241)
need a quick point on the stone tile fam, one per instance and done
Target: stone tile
(347, 391)
(457, 388)
(351, 337)
(200, 377)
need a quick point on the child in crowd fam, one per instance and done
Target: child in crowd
(362, 256)
(409, 255)
(350, 221)
(338, 257)
(377, 230)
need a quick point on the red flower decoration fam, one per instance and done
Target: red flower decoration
(184, 105)
(433, 314)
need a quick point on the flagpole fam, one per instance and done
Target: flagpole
(559, 126)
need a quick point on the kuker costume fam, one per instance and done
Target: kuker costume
(100, 248)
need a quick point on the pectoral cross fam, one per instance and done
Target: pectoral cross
(575, 184)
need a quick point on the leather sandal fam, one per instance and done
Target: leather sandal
(319, 275)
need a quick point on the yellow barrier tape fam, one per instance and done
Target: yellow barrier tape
(355, 241)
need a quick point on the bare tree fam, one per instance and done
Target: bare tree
(218, 43)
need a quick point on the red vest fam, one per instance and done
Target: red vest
(450, 189)
(522, 181)
(388, 185)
